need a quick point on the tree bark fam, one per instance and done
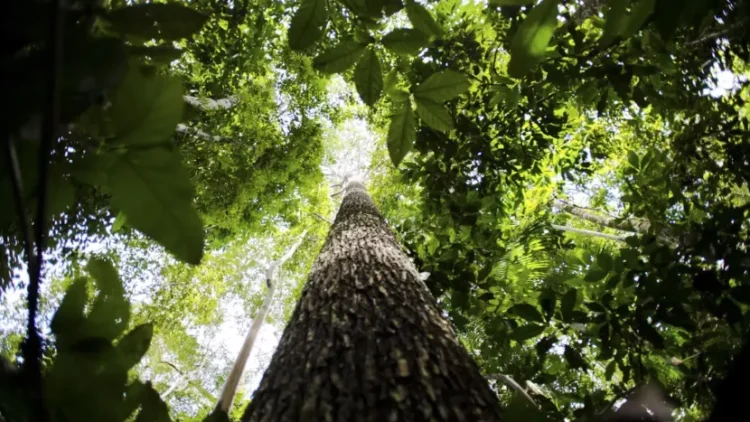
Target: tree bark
(366, 341)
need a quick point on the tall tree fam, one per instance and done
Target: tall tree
(367, 340)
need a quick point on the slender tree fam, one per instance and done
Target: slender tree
(367, 341)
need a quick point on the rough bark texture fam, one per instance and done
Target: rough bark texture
(367, 341)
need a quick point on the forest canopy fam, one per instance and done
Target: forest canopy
(570, 178)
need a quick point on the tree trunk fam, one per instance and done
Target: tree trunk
(367, 341)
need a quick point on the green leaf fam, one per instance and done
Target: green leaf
(616, 20)
(401, 133)
(521, 410)
(405, 41)
(393, 87)
(604, 261)
(527, 312)
(146, 108)
(134, 345)
(741, 294)
(610, 370)
(547, 301)
(595, 274)
(633, 160)
(368, 78)
(574, 359)
(158, 54)
(105, 275)
(392, 6)
(422, 20)
(434, 115)
(167, 21)
(529, 45)
(154, 191)
(568, 303)
(442, 86)
(641, 12)
(339, 58)
(649, 333)
(69, 315)
(308, 24)
(526, 332)
(153, 408)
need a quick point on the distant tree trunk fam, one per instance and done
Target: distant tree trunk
(367, 341)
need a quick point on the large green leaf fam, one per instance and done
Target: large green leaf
(308, 24)
(526, 332)
(616, 21)
(568, 303)
(134, 345)
(69, 315)
(649, 333)
(574, 358)
(529, 45)
(393, 88)
(640, 13)
(368, 77)
(110, 312)
(168, 21)
(401, 132)
(442, 86)
(422, 20)
(433, 114)
(153, 408)
(405, 41)
(339, 58)
(527, 312)
(154, 191)
(146, 108)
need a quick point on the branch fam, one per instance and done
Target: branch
(589, 232)
(320, 217)
(513, 385)
(715, 35)
(233, 380)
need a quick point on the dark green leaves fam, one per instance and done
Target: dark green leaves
(568, 303)
(620, 23)
(134, 345)
(308, 24)
(529, 45)
(340, 57)
(527, 312)
(70, 314)
(434, 114)
(595, 274)
(368, 77)
(154, 191)
(574, 358)
(167, 21)
(442, 86)
(526, 332)
(405, 41)
(401, 132)
(146, 108)
(422, 20)
(649, 333)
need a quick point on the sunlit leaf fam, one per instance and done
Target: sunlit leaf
(405, 41)
(401, 132)
(442, 86)
(529, 45)
(154, 191)
(433, 114)
(339, 58)
(422, 20)
(368, 77)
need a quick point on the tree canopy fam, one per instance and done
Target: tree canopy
(570, 176)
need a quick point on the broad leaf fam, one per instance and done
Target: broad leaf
(604, 261)
(308, 24)
(567, 304)
(401, 133)
(616, 21)
(640, 13)
(574, 358)
(154, 191)
(595, 274)
(529, 45)
(433, 114)
(146, 108)
(442, 86)
(526, 332)
(649, 333)
(153, 408)
(340, 57)
(69, 315)
(393, 89)
(167, 21)
(422, 20)
(527, 312)
(110, 312)
(105, 275)
(405, 41)
(133, 346)
(368, 77)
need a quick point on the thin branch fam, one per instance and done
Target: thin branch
(320, 217)
(14, 169)
(589, 232)
(718, 34)
(233, 380)
(510, 382)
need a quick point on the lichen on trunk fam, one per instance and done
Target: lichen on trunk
(367, 341)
